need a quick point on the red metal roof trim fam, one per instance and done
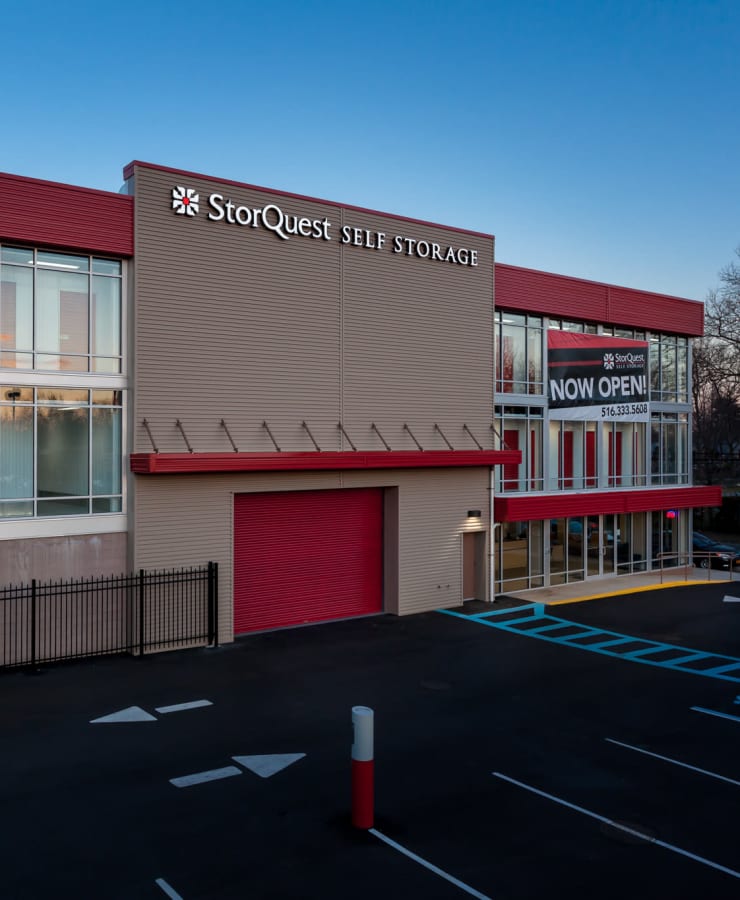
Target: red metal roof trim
(128, 171)
(529, 290)
(62, 215)
(184, 463)
(520, 508)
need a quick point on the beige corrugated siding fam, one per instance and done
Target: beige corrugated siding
(233, 322)
(188, 520)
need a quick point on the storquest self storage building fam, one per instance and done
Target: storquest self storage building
(320, 398)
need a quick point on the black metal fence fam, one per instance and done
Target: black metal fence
(44, 622)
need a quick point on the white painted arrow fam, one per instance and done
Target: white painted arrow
(179, 707)
(728, 598)
(265, 766)
(131, 714)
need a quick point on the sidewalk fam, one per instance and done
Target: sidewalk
(609, 585)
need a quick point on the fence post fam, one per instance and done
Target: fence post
(141, 612)
(213, 603)
(33, 623)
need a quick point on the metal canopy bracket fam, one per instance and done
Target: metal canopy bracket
(313, 439)
(374, 428)
(349, 439)
(178, 424)
(406, 428)
(149, 432)
(444, 438)
(267, 429)
(475, 440)
(228, 435)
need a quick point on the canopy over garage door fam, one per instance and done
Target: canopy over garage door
(306, 556)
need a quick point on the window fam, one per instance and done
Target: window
(59, 312)
(669, 368)
(518, 353)
(669, 441)
(520, 428)
(60, 451)
(625, 453)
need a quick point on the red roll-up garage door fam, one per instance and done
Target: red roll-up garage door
(306, 556)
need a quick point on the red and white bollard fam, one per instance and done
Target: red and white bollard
(363, 776)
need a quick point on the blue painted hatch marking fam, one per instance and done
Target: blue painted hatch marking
(533, 621)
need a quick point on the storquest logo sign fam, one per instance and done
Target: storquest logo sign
(185, 201)
(608, 361)
(286, 225)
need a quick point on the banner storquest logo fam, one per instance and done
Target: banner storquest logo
(608, 361)
(185, 201)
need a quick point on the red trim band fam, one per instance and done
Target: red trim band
(520, 508)
(183, 463)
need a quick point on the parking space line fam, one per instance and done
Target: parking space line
(428, 865)
(210, 775)
(658, 648)
(675, 762)
(170, 891)
(612, 824)
(725, 668)
(721, 669)
(714, 712)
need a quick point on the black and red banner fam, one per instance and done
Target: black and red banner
(592, 376)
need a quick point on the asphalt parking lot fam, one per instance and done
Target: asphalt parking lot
(506, 767)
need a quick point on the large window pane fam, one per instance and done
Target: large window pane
(16, 452)
(16, 308)
(61, 312)
(682, 370)
(107, 266)
(668, 367)
(78, 506)
(62, 261)
(106, 451)
(63, 463)
(514, 361)
(16, 509)
(534, 362)
(106, 316)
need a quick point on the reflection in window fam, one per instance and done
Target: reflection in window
(669, 368)
(518, 350)
(60, 451)
(55, 315)
(669, 448)
(520, 428)
(625, 451)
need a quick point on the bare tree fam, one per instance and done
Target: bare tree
(716, 384)
(722, 311)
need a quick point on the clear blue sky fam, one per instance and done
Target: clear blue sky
(597, 139)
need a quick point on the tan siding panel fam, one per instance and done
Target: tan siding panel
(184, 521)
(234, 323)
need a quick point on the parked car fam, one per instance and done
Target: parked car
(713, 554)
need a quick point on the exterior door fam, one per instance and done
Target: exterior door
(474, 548)
(306, 556)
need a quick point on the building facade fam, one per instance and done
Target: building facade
(604, 485)
(327, 401)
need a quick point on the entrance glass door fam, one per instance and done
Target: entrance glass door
(611, 536)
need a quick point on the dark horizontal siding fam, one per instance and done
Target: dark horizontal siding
(545, 293)
(556, 506)
(65, 216)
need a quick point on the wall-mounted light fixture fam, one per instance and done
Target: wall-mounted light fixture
(474, 514)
